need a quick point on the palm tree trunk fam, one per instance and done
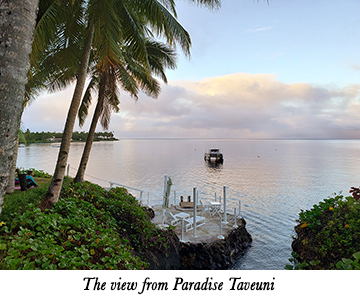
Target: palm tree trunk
(17, 22)
(11, 185)
(53, 193)
(90, 138)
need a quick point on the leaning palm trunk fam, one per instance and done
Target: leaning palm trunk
(90, 138)
(11, 185)
(53, 193)
(17, 21)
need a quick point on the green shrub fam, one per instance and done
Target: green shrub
(349, 264)
(37, 173)
(326, 234)
(89, 228)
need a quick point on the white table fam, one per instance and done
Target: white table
(182, 215)
(215, 208)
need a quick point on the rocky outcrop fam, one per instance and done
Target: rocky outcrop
(218, 255)
(164, 256)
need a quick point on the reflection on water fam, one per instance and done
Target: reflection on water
(214, 165)
(273, 179)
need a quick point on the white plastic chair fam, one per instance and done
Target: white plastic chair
(190, 222)
(175, 219)
(205, 208)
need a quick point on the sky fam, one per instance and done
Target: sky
(283, 69)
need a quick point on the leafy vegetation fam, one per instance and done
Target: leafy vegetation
(90, 228)
(328, 235)
(37, 173)
(51, 137)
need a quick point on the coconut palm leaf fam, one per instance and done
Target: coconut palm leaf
(164, 24)
(160, 57)
(132, 28)
(86, 100)
(59, 34)
(213, 4)
(21, 136)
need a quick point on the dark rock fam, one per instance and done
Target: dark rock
(218, 255)
(166, 257)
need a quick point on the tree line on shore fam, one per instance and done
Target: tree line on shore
(51, 137)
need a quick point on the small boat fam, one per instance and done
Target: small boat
(56, 146)
(214, 154)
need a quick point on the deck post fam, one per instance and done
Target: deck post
(163, 217)
(164, 192)
(195, 203)
(220, 236)
(225, 215)
(182, 230)
(235, 225)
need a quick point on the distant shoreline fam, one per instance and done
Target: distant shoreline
(75, 141)
(55, 137)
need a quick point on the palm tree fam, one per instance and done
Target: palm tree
(17, 23)
(50, 68)
(116, 19)
(59, 33)
(132, 76)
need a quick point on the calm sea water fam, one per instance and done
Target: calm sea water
(273, 179)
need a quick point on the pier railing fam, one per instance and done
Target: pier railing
(141, 192)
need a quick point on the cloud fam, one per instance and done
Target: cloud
(49, 111)
(355, 67)
(235, 106)
(259, 29)
(245, 105)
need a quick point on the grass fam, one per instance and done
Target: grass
(89, 228)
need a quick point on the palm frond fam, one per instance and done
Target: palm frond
(213, 4)
(53, 17)
(22, 138)
(164, 24)
(160, 57)
(49, 18)
(86, 100)
(59, 34)
(133, 29)
(170, 5)
(107, 33)
(144, 82)
(127, 82)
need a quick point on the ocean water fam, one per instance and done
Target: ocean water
(273, 179)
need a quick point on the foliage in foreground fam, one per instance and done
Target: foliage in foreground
(37, 173)
(328, 235)
(89, 228)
